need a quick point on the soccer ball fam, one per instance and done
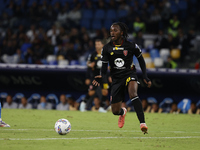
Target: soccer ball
(62, 126)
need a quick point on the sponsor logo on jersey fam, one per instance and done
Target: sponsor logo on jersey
(99, 64)
(125, 52)
(118, 48)
(119, 62)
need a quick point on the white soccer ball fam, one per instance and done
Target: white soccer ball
(62, 126)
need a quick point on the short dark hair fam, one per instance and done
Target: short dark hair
(123, 28)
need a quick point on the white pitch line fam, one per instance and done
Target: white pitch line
(97, 130)
(94, 138)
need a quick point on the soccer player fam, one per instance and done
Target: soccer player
(119, 54)
(94, 64)
(2, 123)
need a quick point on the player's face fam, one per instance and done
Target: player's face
(115, 33)
(98, 45)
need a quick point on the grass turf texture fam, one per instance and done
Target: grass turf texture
(34, 129)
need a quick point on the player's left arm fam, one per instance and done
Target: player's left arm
(142, 65)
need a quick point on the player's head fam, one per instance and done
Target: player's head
(118, 30)
(98, 45)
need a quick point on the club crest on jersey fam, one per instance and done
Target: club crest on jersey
(125, 52)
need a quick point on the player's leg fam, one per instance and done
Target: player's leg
(2, 124)
(132, 90)
(117, 96)
(91, 92)
(104, 96)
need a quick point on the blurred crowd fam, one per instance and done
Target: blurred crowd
(33, 30)
(68, 102)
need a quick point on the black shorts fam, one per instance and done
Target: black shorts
(119, 87)
(103, 86)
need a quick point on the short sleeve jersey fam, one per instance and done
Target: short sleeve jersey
(95, 57)
(120, 58)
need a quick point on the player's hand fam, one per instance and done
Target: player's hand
(91, 65)
(148, 83)
(97, 80)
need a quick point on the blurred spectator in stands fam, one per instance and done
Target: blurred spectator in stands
(172, 42)
(28, 57)
(174, 25)
(193, 109)
(183, 45)
(197, 65)
(73, 105)
(154, 108)
(174, 108)
(74, 16)
(44, 104)
(9, 103)
(138, 26)
(9, 52)
(24, 104)
(160, 40)
(63, 105)
(165, 13)
(124, 6)
(139, 39)
(62, 16)
(171, 63)
(87, 4)
(101, 4)
(145, 105)
(113, 4)
(53, 33)
(154, 22)
(5, 20)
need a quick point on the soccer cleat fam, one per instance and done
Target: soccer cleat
(3, 124)
(122, 118)
(144, 128)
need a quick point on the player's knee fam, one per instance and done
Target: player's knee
(132, 95)
(115, 111)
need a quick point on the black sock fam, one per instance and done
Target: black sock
(86, 98)
(121, 112)
(138, 108)
(103, 99)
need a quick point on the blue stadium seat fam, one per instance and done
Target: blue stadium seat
(99, 14)
(154, 53)
(184, 105)
(52, 98)
(96, 24)
(85, 23)
(87, 14)
(107, 23)
(198, 104)
(17, 97)
(111, 14)
(182, 4)
(34, 99)
(166, 104)
(3, 96)
(79, 100)
(174, 7)
(122, 13)
(151, 100)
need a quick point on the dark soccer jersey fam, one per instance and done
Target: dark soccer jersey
(120, 58)
(95, 57)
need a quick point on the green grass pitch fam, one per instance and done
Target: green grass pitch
(34, 130)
